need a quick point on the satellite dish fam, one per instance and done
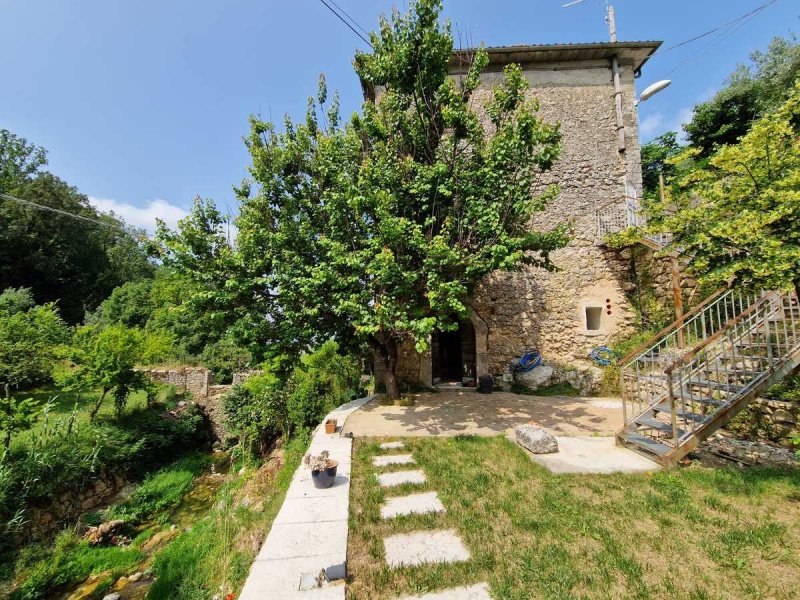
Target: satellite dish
(654, 89)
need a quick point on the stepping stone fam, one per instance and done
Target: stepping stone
(400, 477)
(419, 504)
(479, 591)
(422, 547)
(392, 459)
(392, 445)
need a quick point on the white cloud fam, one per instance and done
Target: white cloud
(651, 124)
(143, 217)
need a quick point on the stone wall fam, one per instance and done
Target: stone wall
(773, 420)
(195, 380)
(47, 520)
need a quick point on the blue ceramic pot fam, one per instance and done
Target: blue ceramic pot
(325, 479)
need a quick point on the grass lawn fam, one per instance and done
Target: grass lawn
(694, 533)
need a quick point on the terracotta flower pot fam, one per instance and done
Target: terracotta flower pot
(330, 426)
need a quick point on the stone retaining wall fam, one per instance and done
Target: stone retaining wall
(47, 520)
(195, 380)
(774, 420)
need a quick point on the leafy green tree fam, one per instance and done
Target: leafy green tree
(104, 359)
(751, 92)
(737, 217)
(655, 161)
(59, 258)
(19, 159)
(376, 231)
(29, 342)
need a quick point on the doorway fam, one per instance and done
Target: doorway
(453, 354)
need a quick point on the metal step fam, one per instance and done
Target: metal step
(645, 443)
(656, 424)
(689, 397)
(686, 414)
(716, 385)
(735, 372)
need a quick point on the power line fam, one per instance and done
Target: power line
(752, 13)
(115, 226)
(352, 20)
(349, 26)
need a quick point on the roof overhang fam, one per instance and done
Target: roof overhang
(630, 53)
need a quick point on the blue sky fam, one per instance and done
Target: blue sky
(142, 104)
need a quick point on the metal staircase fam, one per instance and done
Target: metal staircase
(695, 375)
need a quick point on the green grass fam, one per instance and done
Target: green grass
(691, 533)
(71, 560)
(161, 490)
(215, 556)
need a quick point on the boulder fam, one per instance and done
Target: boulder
(104, 534)
(535, 439)
(535, 378)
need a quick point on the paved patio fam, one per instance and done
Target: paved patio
(465, 411)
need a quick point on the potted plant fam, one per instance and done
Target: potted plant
(330, 426)
(323, 469)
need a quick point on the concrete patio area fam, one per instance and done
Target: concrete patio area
(466, 412)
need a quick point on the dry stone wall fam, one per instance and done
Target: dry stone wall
(195, 380)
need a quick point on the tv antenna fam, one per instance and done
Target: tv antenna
(612, 23)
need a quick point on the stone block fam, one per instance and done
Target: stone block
(424, 547)
(401, 477)
(413, 504)
(535, 378)
(535, 439)
(392, 459)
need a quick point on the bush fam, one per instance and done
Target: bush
(324, 380)
(225, 358)
(63, 458)
(256, 412)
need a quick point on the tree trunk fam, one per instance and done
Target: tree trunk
(797, 288)
(96, 408)
(389, 358)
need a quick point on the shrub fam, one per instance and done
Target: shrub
(63, 457)
(225, 358)
(256, 412)
(324, 380)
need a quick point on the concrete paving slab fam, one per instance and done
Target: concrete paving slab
(297, 540)
(312, 510)
(479, 591)
(413, 504)
(593, 455)
(392, 445)
(392, 459)
(281, 579)
(422, 547)
(401, 477)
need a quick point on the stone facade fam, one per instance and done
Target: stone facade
(564, 314)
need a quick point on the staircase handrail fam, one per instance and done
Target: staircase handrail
(653, 340)
(715, 336)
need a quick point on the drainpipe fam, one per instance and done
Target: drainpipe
(618, 105)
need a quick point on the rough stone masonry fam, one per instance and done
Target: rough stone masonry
(584, 303)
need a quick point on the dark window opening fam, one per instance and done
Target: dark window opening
(593, 316)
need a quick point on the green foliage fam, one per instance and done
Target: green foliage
(655, 161)
(752, 91)
(74, 262)
(73, 560)
(16, 300)
(19, 159)
(105, 358)
(160, 490)
(215, 556)
(324, 380)
(377, 230)
(787, 390)
(225, 358)
(256, 412)
(29, 341)
(737, 216)
(66, 455)
(16, 415)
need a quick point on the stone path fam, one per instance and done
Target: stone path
(420, 547)
(309, 533)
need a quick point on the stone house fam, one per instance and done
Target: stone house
(567, 313)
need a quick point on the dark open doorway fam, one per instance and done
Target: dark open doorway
(453, 354)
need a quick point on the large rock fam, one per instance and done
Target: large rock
(535, 378)
(104, 534)
(535, 439)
